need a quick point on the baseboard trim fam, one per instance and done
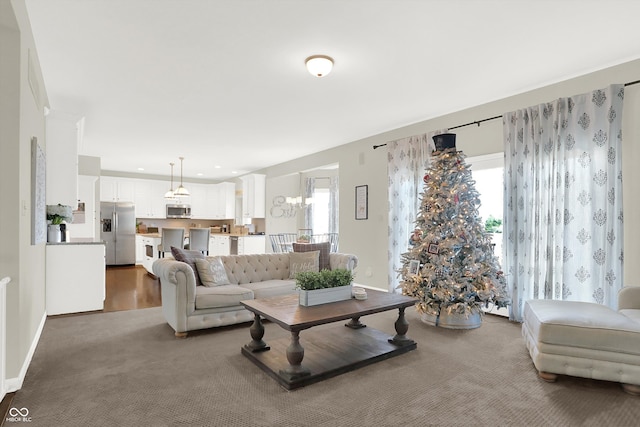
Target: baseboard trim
(15, 384)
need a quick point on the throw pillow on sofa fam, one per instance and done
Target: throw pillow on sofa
(188, 257)
(303, 261)
(212, 272)
(323, 247)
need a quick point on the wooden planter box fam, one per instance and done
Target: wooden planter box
(324, 296)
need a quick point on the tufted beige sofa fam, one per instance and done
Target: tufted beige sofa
(188, 307)
(585, 339)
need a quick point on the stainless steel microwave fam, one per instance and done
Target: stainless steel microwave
(178, 211)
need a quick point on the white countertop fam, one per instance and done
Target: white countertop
(79, 241)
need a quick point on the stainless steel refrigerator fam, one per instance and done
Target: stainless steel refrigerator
(118, 231)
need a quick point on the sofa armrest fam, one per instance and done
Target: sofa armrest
(178, 288)
(345, 261)
(629, 298)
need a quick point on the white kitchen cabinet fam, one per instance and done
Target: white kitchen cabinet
(248, 245)
(253, 195)
(213, 201)
(113, 189)
(142, 199)
(198, 201)
(139, 249)
(158, 202)
(226, 201)
(149, 198)
(219, 245)
(208, 201)
(75, 277)
(212, 198)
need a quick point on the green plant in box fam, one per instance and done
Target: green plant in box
(311, 280)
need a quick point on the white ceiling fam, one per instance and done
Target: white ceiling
(224, 83)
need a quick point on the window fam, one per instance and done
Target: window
(488, 173)
(321, 211)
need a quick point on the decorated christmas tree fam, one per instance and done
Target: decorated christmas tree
(451, 266)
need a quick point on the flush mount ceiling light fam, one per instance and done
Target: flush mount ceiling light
(319, 65)
(181, 191)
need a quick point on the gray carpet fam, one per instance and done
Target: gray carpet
(127, 369)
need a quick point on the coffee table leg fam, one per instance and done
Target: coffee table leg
(295, 354)
(354, 323)
(402, 326)
(257, 332)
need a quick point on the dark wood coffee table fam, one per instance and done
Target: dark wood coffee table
(331, 351)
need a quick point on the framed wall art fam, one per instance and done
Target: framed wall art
(362, 202)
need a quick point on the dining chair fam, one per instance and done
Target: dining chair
(287, 240)
(275, 243)
(199, 239)
(171, 236)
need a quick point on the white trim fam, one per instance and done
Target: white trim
(486, 161)
(15, 384)
(3, 335)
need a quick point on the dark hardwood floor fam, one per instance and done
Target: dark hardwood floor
(130, 288)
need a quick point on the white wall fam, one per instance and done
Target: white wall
(276, 220)
(360, 164)
(22, 101)
(289, 186)
(86, 195)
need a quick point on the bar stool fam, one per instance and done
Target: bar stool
(199, 239)
(171, 237)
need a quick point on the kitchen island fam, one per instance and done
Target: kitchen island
(147, 249)
(75, 276)
(219, 244)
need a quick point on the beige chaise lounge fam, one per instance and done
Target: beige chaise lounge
(586, 340)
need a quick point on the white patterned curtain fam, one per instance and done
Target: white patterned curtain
(563, 200)
(309, 188)
(334, 207)
(407, 160)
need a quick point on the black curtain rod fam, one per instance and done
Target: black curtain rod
(477, 122)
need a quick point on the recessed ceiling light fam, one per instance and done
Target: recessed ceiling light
(140, 169)
(234, 171)
(217, 166)
(200, 174)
